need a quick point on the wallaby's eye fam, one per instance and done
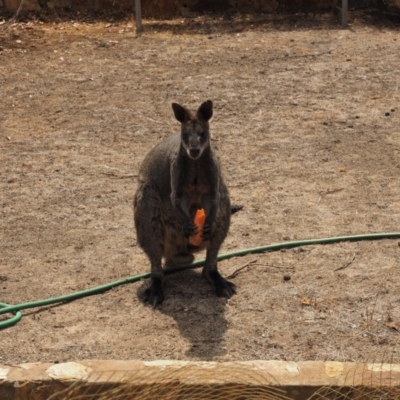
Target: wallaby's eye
(202, 135)
(185, 136)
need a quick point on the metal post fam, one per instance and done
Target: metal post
(344, 11)
(138, 15)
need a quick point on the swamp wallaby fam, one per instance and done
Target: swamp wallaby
(179, 176)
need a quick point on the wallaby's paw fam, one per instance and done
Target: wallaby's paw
(190, 229)
(154, 295)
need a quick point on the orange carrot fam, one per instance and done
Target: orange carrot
(199, 220)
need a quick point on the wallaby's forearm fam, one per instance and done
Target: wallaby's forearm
(181, 202)
(210, 204)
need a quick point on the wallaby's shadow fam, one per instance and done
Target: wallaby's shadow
(199, 313)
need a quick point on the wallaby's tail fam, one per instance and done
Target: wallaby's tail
(235, 208)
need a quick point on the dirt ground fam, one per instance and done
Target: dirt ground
(306, 124)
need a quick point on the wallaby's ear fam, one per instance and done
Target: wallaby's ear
(205, 111)
(181, 114)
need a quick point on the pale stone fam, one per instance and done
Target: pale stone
(292, 367)
(69, 370)
(4, 373)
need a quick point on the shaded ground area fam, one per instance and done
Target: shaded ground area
(306, 123)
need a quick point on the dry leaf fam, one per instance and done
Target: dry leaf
(392, 325)
(305, 301)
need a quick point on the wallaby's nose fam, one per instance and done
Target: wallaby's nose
(194, 153)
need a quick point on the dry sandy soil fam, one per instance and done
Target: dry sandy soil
(306, 124)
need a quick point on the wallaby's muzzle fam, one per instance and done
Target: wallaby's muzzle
(194, 154)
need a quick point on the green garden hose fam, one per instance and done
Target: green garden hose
(16, 310)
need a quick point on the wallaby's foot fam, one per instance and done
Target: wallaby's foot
(223, 287)
(154, 294)
(183, 259)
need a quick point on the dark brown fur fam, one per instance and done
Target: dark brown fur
(178, 176)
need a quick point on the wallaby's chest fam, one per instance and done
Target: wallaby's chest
(196, 183)
(196, 190)
(195, 195)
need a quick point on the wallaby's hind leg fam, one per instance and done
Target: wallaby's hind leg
(222, 286)
(149, 231)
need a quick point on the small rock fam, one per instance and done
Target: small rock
(287, 277)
